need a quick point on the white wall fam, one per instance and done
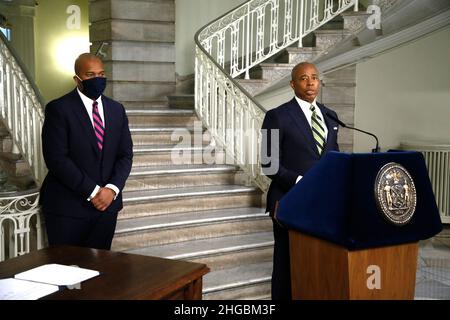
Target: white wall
(57, 45)
(190, 16)
(404, 94)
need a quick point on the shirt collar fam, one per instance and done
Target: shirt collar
(88, 101)
(305, 105)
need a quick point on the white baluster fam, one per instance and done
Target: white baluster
(12, 238)
(328, 9)
(260, 33)
(9, 96)
(288, 20)
(301, 27)
(234, 68)
(274, 25)
(248, 42)
(221, 49)
(314, 15)
(2, 240)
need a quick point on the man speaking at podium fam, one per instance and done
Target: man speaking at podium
(305, 133)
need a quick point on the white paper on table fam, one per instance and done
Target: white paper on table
(15, 289)
(57, 274)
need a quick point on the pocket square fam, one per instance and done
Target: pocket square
(335, 128)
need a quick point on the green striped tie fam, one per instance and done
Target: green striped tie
(317, 129)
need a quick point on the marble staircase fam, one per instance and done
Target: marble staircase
(183, 199)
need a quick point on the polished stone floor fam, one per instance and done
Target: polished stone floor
(433, 268)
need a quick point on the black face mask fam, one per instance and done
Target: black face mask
(93, 87)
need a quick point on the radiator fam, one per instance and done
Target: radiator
(437, 159)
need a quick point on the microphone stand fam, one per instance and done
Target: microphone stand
(376, 149)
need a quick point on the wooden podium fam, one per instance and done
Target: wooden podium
(324, 270)
(342, 244)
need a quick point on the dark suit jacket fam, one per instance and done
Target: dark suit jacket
(74, 161)
(297, 149)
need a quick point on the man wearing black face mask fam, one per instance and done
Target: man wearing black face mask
(87, 148)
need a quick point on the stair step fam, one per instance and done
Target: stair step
(161, 117)
(139, 196)
(168, 201)
(18, 172)
(144, 105)
(355, 21)
(328, 38)
(217, 253)
(161, 112)
(169, 135)
(165, 148)
(271, 71)
(182, 101)
(294, 55)
(179, 176)
(253, 86)
(150, 155)
(184, 226)
(174, 169)
(243, 282)
(186, 218)
(206, 247)
(331, 32)
(138, 91)
(277, 65)
(336, 23)
(14, 164)
(6, 142)
(3, 132)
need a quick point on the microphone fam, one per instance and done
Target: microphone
(377, 148)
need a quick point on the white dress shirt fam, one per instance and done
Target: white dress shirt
(305, 106)
(88, 105)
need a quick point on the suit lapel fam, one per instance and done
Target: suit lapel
(330, 128)
(85, 122)
(107, 125)
(300, 119)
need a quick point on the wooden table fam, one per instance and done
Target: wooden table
(122, 275)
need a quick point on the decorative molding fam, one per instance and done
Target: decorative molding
(355, 22)
(20, 212)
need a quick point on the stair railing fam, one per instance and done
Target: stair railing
(21, 109)
(229, 47)
(21, 227)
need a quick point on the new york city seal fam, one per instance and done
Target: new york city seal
(395, 194)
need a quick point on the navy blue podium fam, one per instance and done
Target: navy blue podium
(342, 244)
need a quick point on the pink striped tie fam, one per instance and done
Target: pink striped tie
(98, 125)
